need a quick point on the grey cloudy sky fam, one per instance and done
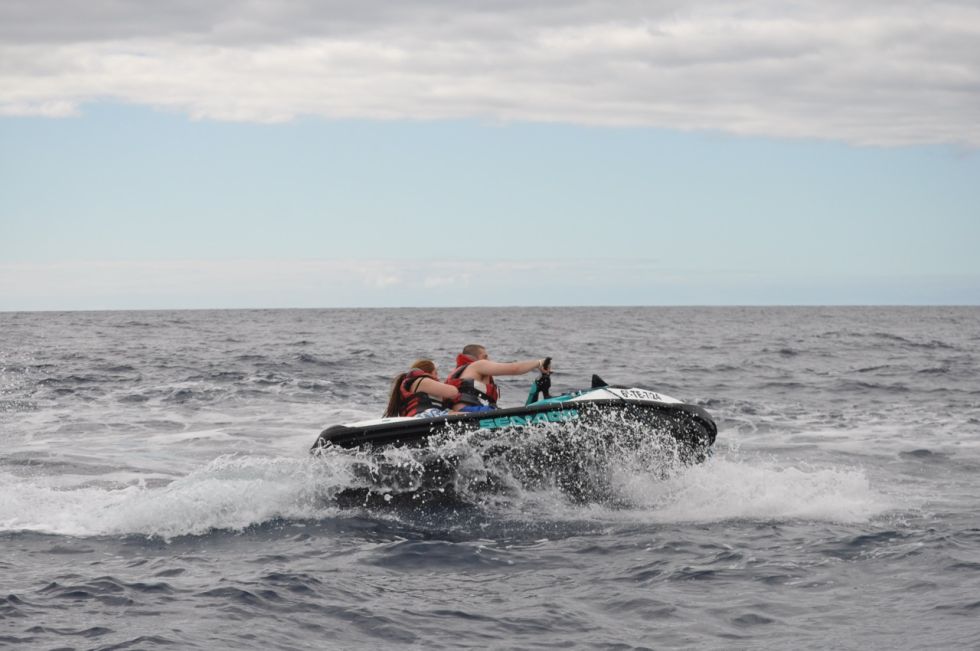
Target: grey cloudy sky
(868, 73)
(272, 153)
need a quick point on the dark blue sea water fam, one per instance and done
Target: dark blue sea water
(156, 489)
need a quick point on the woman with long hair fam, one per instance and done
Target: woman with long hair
(418, 392)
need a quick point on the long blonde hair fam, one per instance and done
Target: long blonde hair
(395, 396)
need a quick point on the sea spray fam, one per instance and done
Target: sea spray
(740, 488)
(231, 492)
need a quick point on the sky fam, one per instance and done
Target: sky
(270, 154)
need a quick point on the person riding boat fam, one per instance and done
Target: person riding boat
(474, 373)
(418, 392)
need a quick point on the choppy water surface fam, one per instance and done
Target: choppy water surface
(156, 489)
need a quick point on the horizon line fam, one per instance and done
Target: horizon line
(501, 306)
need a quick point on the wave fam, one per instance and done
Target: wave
(237, 492)
(933, 344)
(230, 493)
(733, 489)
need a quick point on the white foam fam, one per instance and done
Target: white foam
(768, 490)
(234, 492)
(231, 492)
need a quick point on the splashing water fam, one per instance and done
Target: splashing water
(570, 472)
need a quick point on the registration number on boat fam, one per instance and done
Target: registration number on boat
(642, 394)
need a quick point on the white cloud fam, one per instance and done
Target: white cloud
(118, 284)
(432, 282)
(880, 73)
(178, 284)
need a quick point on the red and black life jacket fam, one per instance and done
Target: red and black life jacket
(469, 393)
(413, 403)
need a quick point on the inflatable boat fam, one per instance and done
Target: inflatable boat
(601, 407)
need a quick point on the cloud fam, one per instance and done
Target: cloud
(139, 284)
(870, 73)
(264, 283)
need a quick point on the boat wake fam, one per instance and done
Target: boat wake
(589, 477)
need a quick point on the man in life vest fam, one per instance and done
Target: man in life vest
(474, 377)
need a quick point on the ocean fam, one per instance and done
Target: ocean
(157, 490)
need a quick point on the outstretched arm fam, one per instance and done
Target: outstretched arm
(436, 388)
(486, 367)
